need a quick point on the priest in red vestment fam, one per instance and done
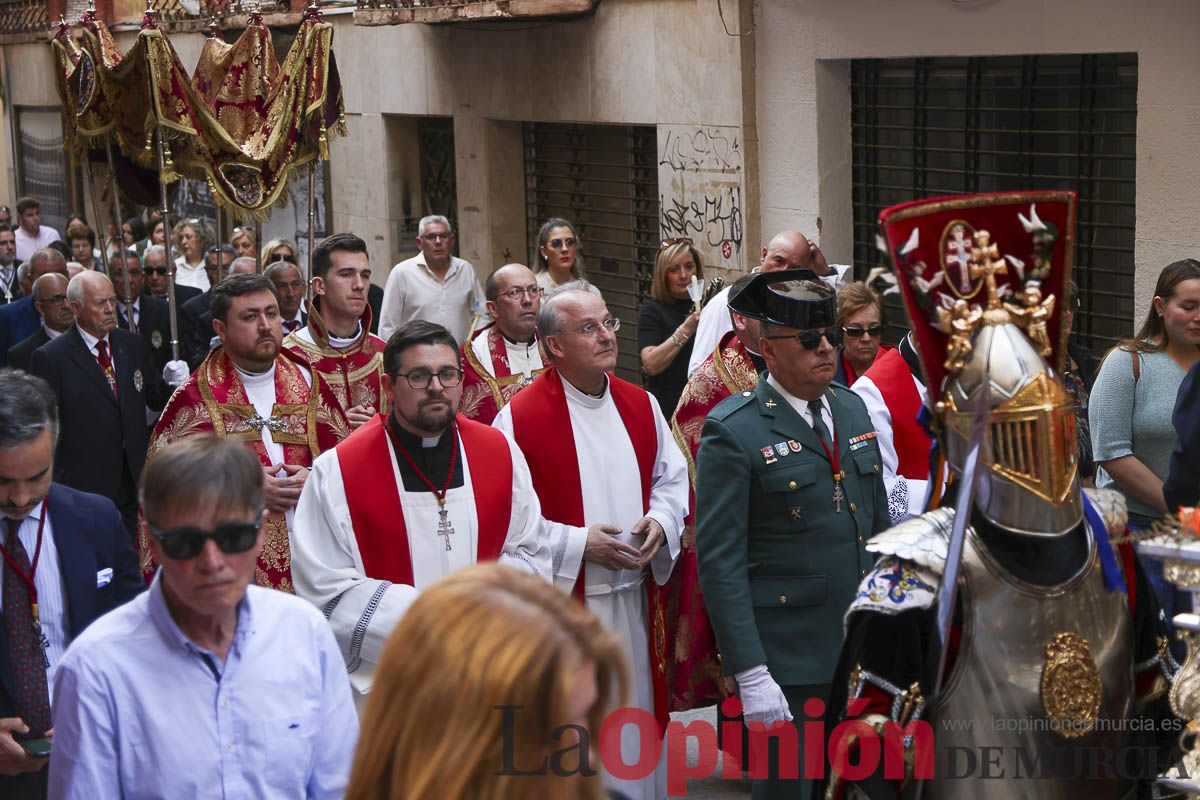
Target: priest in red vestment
(248, 389)
(693, 670)
(337, 344)
(613, 489)
(502, 358)
(894, 392)
(409, 497)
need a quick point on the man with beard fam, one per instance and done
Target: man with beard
(85, 567)
(613, 489)
(337, 344)
(195, 316)
(105, 379)
(366, 544)
(788, 490)
(50, 300)
(246, 388)
(502, 358)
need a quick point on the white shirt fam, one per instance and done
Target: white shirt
(137, 311)
(51, 590)
(522, 358)
(414, 292)
(28, 245)
(328, 569)
(906, 496)
(191, 276)
(715, 321)
(801, 406)
(50, 332)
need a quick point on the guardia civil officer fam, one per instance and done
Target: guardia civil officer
(789, 488)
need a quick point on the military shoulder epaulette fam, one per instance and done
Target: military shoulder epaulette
(731, 404)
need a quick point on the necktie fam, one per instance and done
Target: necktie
(106, 364)
(818, 425)
(291, 326)
(30, 691)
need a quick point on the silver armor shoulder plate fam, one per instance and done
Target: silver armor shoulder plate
(922, 540)
(1112, 508)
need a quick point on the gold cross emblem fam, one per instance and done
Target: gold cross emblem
(770, 403)
(796, 513)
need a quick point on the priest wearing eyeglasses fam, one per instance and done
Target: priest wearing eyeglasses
(789, 488)
(613, 486)
(408, 498)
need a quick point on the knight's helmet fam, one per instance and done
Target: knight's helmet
(981, 277)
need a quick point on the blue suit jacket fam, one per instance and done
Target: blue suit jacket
(90, 537)
(18, 321)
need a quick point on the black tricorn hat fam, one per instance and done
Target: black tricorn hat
(794, 298)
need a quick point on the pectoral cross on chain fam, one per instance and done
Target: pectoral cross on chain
(444, 529)
(838, 496)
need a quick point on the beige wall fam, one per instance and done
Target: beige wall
(804, 99)
(652, 62)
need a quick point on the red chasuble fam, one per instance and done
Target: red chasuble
(213, 401)
(487, 388)
(891, 374)
(351, 376)
(373, 496)
(693, 668)
(542, 428)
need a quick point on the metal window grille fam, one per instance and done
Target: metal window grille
(924, 127)
(604, 179)
(44, 176)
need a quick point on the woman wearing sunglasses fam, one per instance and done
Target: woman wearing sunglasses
(559, 257)
(278, 250)
(860, 316)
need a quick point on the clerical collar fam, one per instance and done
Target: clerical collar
(585, 398)
(411, 441)
(532, 339)
(338, 343)
(255, 378)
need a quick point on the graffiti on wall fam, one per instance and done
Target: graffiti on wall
(700, 178)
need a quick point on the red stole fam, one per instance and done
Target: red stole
(891, 374)
(542, 429)
(375, 509)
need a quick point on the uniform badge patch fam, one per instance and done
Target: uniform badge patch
(793, 445)
(862, 438)
(138, 383)
(156, 340)
(797, 513)
(769, 455)
(782, 448)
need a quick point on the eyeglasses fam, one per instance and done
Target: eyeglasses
(281, 257)
(559, 244)
(856, 332)
(611, 324)
(518, 294)
(448, 377)
(53, 300)
(437, 237)
(811, 338)
(183, 543)
(156, 271)
(672, 242)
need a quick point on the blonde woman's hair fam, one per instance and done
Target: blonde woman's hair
(854, 297)
(659, 289)
(274, 244)
(483, 637)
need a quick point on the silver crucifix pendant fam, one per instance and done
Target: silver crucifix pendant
(445, 529)
(838, 496)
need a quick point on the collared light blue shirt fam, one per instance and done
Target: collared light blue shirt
(141, 712)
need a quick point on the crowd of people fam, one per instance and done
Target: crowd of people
(168, 486)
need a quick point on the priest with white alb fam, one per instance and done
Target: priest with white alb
(407, 499)
(613, 487)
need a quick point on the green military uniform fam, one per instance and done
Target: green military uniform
(778, 564)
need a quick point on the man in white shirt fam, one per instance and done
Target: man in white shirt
(786, 250)
(432, 285)
(32, 235)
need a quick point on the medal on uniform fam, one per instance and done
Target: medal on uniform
(838, 473)
(138, 383)
(768, 455)
(444, 528)
(156, 340)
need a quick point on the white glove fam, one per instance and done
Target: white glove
(176, 372)
(762, 699)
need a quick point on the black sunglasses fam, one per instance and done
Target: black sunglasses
(811, 338)
(155, 270)
(855, 332)
(181, 544)
(275, 257)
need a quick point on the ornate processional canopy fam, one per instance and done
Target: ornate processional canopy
(241, 123)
